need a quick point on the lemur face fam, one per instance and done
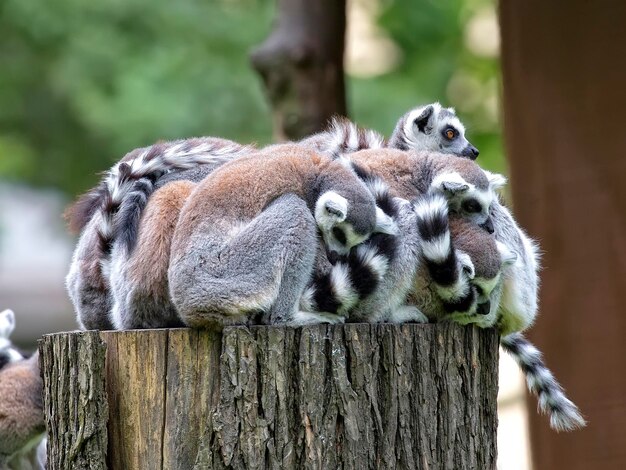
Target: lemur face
(437, 129)
(488, 257)
(345, 224)
(466, 199)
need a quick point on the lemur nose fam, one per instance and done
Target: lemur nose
(484, 308)
(488, 225)
(475, 152)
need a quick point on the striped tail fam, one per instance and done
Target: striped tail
(450, 271)
(564, 415)
(355, 276)
(129, 184)
(343, 137)
(349, 281)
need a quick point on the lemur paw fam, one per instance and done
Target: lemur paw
(407, 313)
(466, 264)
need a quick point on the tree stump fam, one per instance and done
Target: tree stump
(319, 397)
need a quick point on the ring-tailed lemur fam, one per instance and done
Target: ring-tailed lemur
(22, 427)
(488, 261)
(146, 292)
(371, 284)
(8, 354)
(430, 128)
(433, 128)
(271, 204)
(126, 187)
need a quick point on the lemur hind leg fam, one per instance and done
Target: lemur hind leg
(262, 266)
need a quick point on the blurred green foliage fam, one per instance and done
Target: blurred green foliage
(82, 83)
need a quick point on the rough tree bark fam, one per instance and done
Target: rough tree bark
(301, 64)
(75, 401)
(353, 396)
(564, 69)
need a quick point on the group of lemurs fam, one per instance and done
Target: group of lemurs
(343, 226)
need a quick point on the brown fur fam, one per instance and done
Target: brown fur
(408, 173)
(479, 244)
(149, 261)
(78, 214)
(242, 188)
(21, 408)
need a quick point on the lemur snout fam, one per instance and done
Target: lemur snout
(484, 308)
(488, 225)
(471, 152)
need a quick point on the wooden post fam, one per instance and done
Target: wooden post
(564, 100)
(301, 64)
(349, 396)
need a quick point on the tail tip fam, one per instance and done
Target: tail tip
(567, 420)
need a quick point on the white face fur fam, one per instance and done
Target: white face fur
(436, 129)
(7, 325)
(331, 213)
(467, 200)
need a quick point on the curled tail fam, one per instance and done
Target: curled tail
(564, 415)
(129, 184)
(349, 281)
(449, 270)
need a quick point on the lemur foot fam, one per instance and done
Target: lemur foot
(407, 313)
(302, 318)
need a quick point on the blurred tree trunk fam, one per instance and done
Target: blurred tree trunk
(301, 64)
(564, 71)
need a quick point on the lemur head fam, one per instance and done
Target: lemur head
(8, 354)
(489, 257)
(469, 190)
(346, 212)
(432, 128)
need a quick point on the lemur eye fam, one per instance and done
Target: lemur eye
(450, 133)
(471, 206)
(340, 235)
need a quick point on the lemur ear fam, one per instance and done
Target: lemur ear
(330, 209)
(7, 323)
(496, 180)
(450, 183)
(507, 256)
(421, 121)
(384, 223)
(454, 187)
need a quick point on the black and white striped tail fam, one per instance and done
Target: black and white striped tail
(351, 279)
(564, 415)
(343, 137)
(355, 276)
(129, 184)
(447, 270)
